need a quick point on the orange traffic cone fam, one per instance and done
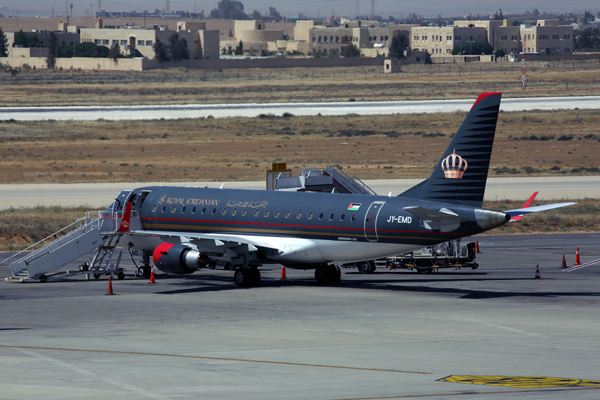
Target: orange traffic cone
(564, 262)
(577, 260)
(152, 277)
(283, 276)
(537, 272)
(477, 247)
(110, 290)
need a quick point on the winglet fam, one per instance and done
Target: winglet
(124, 227)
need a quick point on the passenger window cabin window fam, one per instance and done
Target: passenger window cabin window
(174, 209)
(183, 209)
(256, 212)
(342, 217)
(287, 214)
(154, 208)
(234, 211)
(214, 211)
(203, 210)
(353, 218)
(320, 216)
(299, 215)
(164, 208)
(277, 214)
(244, 212)
(310, 215)
(194, 210)
(331, 217)
(224, 211)
(266, 213)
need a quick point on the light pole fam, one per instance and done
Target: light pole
(470, 42)
(562, 47)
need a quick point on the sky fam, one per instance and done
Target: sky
(313, 8)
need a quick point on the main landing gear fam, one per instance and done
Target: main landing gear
(327, 274)
(247, 277)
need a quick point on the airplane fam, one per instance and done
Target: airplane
(186, 228)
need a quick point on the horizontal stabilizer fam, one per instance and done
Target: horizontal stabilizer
(526, 205)
(529, 210)
(435, 215)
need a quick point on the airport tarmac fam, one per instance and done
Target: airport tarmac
(99, 195)
(388, 335)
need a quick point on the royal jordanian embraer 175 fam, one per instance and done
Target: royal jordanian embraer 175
(187, 228)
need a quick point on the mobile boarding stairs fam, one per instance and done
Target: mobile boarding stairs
(97, 230)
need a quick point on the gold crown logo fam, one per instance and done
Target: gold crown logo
(454, 166)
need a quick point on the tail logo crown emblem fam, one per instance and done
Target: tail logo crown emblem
(454, 166)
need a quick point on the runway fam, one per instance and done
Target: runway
(252, 110)
(389, 335)
(98, 195)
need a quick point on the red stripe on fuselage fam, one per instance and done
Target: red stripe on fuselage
(293, 226)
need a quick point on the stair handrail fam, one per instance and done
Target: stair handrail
(352, 179)
(80, 224)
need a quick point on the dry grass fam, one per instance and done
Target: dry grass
(180, 86)
(370, 147)
(21, 227)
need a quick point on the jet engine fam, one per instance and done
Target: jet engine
(178, 259)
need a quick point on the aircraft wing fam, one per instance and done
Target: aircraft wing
(529, 210)
(208, 240)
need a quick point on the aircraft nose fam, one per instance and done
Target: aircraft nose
(490, 219)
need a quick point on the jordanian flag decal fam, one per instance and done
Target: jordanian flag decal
(353, 206)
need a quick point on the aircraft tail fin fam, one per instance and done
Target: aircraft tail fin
(461, 174)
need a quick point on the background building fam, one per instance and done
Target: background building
(140, 41)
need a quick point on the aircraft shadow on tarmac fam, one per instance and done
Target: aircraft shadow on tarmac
(208, 283)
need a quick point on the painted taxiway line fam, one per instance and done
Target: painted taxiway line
(135, 353)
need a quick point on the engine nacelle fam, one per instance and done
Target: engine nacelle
(177, 259)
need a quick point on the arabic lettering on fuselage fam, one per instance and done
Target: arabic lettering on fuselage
(251, 204)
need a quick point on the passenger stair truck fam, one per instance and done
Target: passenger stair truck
(97, 230)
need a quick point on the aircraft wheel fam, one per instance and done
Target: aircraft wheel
(328, 274)
(121, 275)
(336, 274)
(321, 275)
(96, 276)
(255, 277)
(43, 279)
(364, 267)
(243, 277)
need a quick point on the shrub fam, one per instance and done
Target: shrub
(565, 137)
